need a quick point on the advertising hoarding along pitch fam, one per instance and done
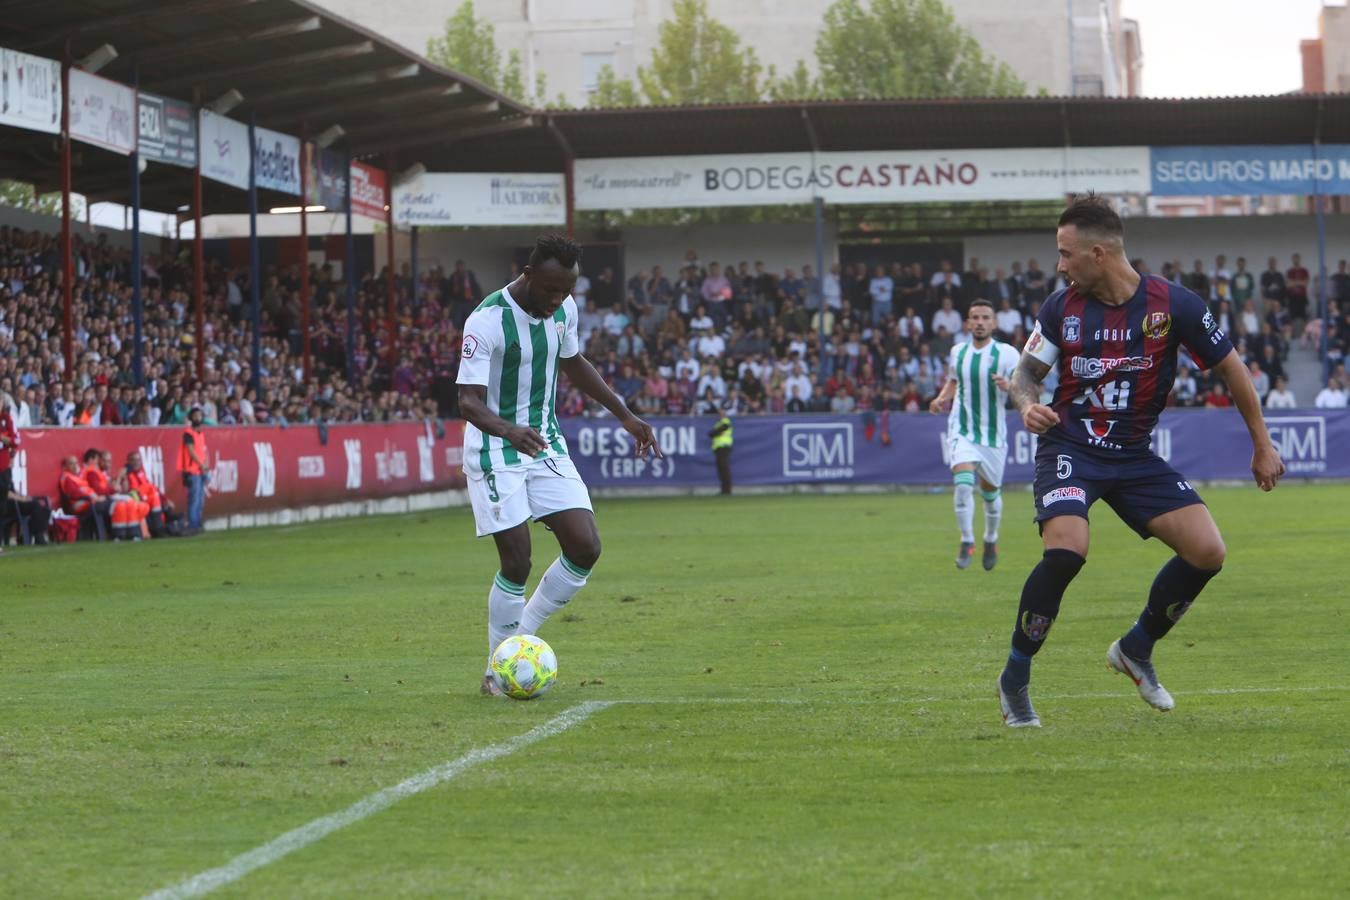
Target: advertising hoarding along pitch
(864, 177)
(481, 198)
(167, 132)
(102, 112)
(30, 92)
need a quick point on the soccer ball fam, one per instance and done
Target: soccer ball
(524, 667)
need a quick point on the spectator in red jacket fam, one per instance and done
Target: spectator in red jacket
(79, 499)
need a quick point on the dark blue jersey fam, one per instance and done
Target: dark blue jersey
(1117, 363)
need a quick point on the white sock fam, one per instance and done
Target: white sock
(559, 584)
(993, 512)
(965, 505)
(506, 602)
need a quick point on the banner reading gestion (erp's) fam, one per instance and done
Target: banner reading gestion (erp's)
(822, 449)
(257, 468)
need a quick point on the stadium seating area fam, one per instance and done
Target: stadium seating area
(698, 341)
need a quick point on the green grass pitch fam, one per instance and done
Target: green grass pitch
(805, 709)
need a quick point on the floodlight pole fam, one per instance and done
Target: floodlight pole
(67, 267)
(312, 153)
(137, 302)
(254, 267)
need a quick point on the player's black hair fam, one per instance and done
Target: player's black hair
(980, 301)
(1093, 213)
(555, 246)
(92, 453)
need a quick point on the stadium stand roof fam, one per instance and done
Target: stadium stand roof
(912, 125)
(295, 64)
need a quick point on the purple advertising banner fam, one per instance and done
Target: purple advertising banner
(1202, 444)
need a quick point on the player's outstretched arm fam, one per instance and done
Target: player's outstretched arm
(1267, 467)
(580, 372)
(473, 407)
(1025, 394)
(944, 397)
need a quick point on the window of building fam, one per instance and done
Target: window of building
(591, 64)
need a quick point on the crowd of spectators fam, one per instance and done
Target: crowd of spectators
(101, 388)
(737, 338)
(705, 338)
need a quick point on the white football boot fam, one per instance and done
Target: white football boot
(1142, 674)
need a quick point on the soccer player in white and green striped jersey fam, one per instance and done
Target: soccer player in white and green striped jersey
(515, 457)
(977, 428)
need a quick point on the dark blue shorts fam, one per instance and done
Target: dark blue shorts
(1139, 488)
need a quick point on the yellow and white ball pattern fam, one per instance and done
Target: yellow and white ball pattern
(524, 667)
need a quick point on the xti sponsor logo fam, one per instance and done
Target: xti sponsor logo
(1064, 493)
(1095, 367)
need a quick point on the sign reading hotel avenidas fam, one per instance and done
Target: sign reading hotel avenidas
(481, 198)
(656, 182)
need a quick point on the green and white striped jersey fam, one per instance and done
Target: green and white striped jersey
(515, 356)
(978, 407)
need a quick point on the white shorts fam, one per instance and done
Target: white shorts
(989, 460)
(510, 495)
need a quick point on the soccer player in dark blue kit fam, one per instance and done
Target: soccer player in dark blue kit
(1114, 336)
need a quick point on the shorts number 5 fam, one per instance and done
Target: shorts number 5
(1063, 466)
(492, 488)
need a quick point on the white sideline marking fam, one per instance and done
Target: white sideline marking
(873, 701)
(298, 838)
(275, 849)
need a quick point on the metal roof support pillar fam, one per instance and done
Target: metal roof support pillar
(137, 302)
(818, 203)
(307, 152)
(569, 181)
(349, 270)
(67, 264)
(254, 263)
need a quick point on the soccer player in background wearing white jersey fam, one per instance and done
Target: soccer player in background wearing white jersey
(977, 430)
(515, 456)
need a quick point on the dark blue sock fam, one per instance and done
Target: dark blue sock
(1137, 642)
(1017, 671)
(1174, 590)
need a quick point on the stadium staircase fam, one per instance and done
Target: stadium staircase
(1304, 370)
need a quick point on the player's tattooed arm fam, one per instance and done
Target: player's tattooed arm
(1025, 393)
(1026, 382)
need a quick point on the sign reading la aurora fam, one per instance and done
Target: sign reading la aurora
(866, 177)
(481, 198)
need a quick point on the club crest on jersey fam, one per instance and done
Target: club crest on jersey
(562, 328)
(1157, 325)
(1071, 329)
(470, 347)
